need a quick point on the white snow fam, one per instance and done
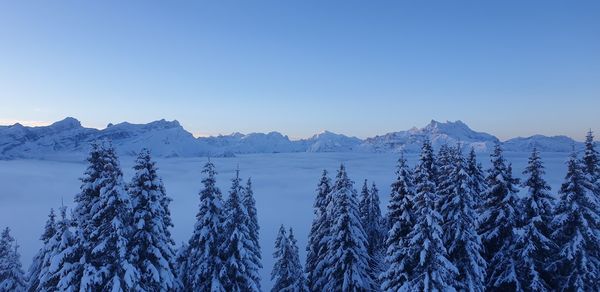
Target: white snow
(284, 188)
(67, 139)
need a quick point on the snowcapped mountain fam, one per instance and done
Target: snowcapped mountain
(273, 142)
(67, 138)
(438, 133)
(331, 142)
(543, 143)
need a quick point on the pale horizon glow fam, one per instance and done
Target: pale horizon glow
(509, 68)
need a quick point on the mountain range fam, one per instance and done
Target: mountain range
(169, 139)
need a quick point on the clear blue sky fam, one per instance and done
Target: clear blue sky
(356, 67)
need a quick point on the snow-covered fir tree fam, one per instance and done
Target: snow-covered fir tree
(12, 277)
(282, 275)
(347, 255)
(444, 165)
(373, 224)
(576, 231)
(533, 241)
(401, 219)
(591, 158)
(151, 245)
(253, 227)
(202, 261)
(460, 227)
(108, 225)
(61, 258)
(319, 236)
(477, 181)
(35, 269)
(427, 162)
(431, 270)
(183, 259)
(499, 222)
(300, 283)
(83, 212)
(239, 271)
(287, 274)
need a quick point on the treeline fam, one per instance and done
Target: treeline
(449, 226)
(117, 237)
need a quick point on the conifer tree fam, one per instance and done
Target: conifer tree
(33, 274)
(533, 241)
(444, 165)
(372, 222)
(347, 257)
(431, 270)
(282, 276)
(184, 260)
(401, 220)
(498, 224)
(591, 158)
(12, 277)
(107, 262)
(300, 278)
(62, 259)
(151, 244)
(287, 274)
(427, 163)
(253, 227)
(576, 222)
(477, 181)
(239, 271)
(460, 228)
(83, 212)
(203, 260)
(319, 236)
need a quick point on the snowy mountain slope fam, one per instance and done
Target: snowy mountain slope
(67, 138)
(273, 142)
(543, 143)
(438, 133)
(331, 142)
(68, 135)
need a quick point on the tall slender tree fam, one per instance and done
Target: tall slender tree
(444, 164)
(533, 241)
(12, 277)
(203, 258)
(498, 224)
(372, 222)
(85, 202)
(33, 274)
(61, 259)
(319, 236)
(300, 278)
(460, 227)
(431, 270)
(477, 181)
(108, 263)
(151, 245)
(287, 274)
(347, 256)
(253, 227)
(591, 158)
(401, 219)
(239, 270)
(576, 223)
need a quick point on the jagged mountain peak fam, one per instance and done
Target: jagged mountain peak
(168, 138)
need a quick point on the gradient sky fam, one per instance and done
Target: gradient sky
(361, 68)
